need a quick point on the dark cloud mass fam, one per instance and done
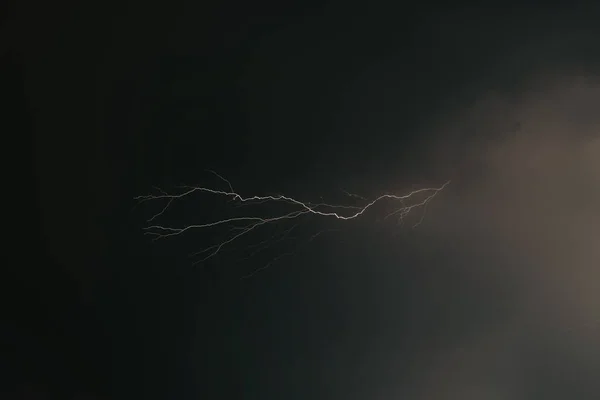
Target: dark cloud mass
(537, 199)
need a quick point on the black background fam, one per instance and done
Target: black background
(111, 98)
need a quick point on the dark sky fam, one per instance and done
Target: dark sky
(495, 295)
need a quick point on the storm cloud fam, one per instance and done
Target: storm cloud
(527, 183)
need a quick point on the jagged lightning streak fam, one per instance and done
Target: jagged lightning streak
(243, 225)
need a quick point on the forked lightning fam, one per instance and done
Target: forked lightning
(242, 225)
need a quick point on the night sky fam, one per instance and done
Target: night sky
(496, 295)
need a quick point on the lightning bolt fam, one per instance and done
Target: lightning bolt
(243, 225)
